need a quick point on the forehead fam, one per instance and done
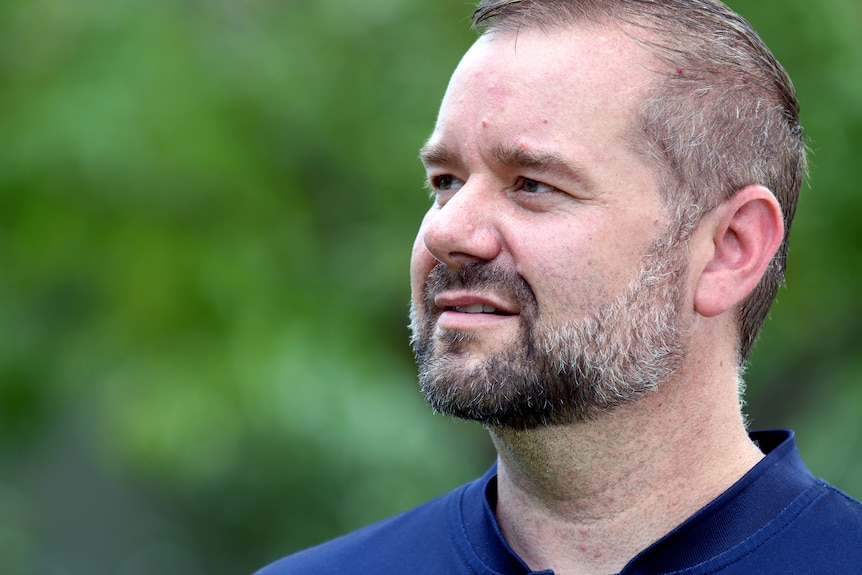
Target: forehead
(567, 84)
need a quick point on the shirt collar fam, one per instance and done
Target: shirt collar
(729, 519)
(749, 504)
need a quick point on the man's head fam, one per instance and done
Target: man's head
(565, 198)
(721, 112)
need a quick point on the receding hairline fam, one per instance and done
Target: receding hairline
(645, 39)
(544, 16)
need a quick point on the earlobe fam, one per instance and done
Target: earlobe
(742, 235)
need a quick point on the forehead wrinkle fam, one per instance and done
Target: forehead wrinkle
(516, 157)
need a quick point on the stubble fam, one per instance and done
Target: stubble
(554, 374)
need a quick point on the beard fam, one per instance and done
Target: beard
(555, 374)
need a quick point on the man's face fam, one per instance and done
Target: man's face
(546, 285)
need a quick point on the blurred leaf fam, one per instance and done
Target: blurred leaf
(206, 213)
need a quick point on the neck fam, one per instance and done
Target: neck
(586, 498)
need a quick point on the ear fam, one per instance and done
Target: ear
(739, 240)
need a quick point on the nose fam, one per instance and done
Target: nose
(465, 229)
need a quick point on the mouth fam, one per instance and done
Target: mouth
(477, 308)
(473, 304)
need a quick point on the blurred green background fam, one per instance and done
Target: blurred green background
(206, 212)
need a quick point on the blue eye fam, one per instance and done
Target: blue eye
(536, 187)
(445, 183)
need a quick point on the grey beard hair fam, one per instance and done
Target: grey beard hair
(556, 375)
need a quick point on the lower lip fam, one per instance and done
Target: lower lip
(460, 321)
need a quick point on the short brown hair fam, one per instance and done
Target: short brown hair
(721, 116)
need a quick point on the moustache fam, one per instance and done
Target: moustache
(480, 276)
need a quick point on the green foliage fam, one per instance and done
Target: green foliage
(206, 212)
(805, 371)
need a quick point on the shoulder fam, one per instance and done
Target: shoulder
(822, 530)
(777, 519)
(820, 527)
(399, 544)
(834, 517)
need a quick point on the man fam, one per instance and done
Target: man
(613, 182)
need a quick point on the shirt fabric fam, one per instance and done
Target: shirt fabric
(777, 519)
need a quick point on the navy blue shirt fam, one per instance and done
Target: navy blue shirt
(777, 519)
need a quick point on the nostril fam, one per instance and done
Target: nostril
(452, 241)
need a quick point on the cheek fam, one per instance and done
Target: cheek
(421, 264)
(568, 278)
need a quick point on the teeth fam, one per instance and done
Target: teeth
(476, 308)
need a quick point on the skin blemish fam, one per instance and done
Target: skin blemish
(679, 71)
(484, 122)
(745, 79)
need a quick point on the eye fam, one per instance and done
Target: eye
(442, 187)
(536, 187)
(445, 183)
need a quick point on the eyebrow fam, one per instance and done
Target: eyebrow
(545, 162)
(511, 156)
(439, 155)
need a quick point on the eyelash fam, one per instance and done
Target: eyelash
(444, 182)
(523, 184)
(436, 183)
